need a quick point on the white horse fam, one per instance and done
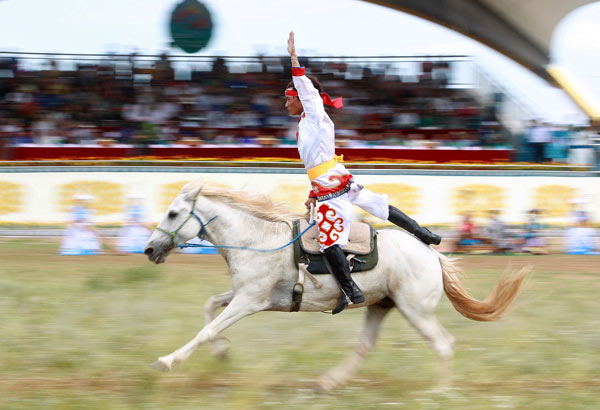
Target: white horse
(409, 276)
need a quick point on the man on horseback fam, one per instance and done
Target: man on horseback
(332, 186)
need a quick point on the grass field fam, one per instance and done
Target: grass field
(79, 333)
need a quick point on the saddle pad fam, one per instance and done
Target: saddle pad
(360, 242)
(314, 258)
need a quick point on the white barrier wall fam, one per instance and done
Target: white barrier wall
(45, 198)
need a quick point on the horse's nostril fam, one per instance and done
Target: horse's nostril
(148, 251)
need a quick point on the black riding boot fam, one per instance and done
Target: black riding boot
(335, 258)
(397, 217)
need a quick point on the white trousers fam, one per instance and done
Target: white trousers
(334, 216)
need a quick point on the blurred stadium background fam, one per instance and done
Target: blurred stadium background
(118, 134)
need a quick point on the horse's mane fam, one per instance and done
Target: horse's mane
(258, 205)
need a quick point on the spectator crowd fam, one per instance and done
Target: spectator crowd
(493, 235)
(127, 100)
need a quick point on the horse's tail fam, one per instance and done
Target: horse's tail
(495, 306)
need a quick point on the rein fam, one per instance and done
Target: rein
(203, 225)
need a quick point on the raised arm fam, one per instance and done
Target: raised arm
(308, 94)
(292, 50)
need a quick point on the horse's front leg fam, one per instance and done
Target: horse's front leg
(220, 349)
(240, 306)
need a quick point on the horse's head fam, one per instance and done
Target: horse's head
(178, 225)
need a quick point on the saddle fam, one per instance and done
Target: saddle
(361, 249)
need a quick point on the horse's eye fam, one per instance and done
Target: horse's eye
(172, 214)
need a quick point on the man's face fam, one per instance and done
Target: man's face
(293, 105)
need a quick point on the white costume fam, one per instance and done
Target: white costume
(581, 240)
(134, 235)
(79, 238)
(331, 183)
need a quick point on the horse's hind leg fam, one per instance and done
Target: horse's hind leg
(430, 328)
(220, 349)
(422, 318)
(372, 324)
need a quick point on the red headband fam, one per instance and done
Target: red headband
(337, 103)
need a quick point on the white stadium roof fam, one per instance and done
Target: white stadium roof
(520, 29)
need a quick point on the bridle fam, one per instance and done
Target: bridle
(202, 231)
(174, 233)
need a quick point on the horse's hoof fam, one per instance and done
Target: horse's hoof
(160, 366)
(221, 352)
(326, 384)
(220, 348)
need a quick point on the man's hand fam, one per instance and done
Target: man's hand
(292, 50)
(291, 45)
(310, 201)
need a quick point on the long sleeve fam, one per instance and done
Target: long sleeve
(316, 141)
(308, 94)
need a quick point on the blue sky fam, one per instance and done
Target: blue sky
(333, 27)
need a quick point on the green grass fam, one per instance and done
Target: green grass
(79, 333)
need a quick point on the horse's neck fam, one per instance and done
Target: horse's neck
(236, 227)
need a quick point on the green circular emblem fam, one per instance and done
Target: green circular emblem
(191, 26)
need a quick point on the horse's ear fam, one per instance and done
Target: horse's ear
(192, 194)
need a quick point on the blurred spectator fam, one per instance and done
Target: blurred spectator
(80, 237)
(539, 135)
(581, 150)
(581, 239)
(532, 240)
(595, 140)
(136, 232)
(558, 148)
(496, 233)
(468, 234)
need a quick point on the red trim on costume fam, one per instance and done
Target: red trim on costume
(321, 191)
(311, 194)
(330, 225)
(298, 71)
